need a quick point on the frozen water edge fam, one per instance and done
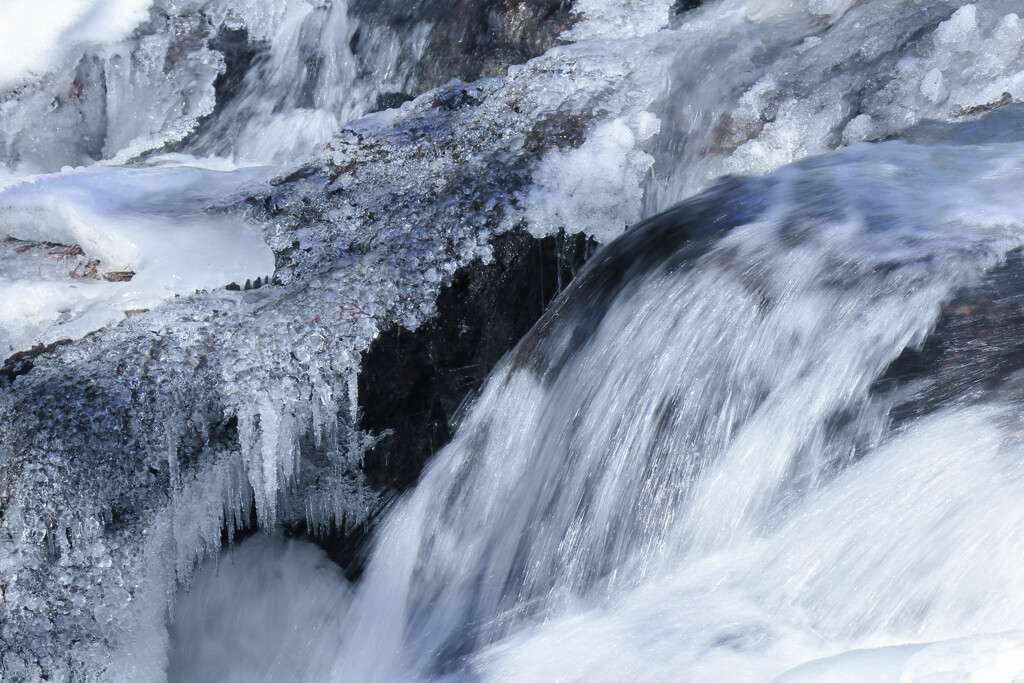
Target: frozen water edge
(147, 223)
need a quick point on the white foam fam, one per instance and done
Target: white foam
(268, 610)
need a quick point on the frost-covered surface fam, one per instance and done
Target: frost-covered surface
(135, 248)
(148, 80)
(118, 97)
(759, 85)
(596, 188)
(36, 36)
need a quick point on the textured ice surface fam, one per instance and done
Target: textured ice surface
(38, 36)
(597, 187)
(115, 95)
(758, 85)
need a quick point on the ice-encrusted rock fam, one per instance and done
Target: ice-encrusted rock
(127, 454)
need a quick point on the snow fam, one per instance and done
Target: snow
(38, 36)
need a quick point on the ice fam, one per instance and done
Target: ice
(37, 37)
(287, 105)
(133, 92)
(750, 100)
(146, 222)
(132, 77)
(595, 188)
(616, 19)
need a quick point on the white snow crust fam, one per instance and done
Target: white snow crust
(38, 36)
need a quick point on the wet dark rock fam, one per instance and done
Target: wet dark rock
(685, 6)
(470, 38)
(392, 100)
(976, 349)
(414, 384)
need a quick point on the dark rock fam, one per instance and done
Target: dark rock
(975, 350)
(392, 100)
(414, 384)
(470, 38)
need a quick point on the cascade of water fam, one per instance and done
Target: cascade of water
(692, 423)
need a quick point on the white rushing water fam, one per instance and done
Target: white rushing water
(689, 469)
(683, 472)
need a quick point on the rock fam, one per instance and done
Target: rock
(468, 39)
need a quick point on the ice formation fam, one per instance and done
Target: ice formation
(138, 249)
(126, 453)
(38, 37)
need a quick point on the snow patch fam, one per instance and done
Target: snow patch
(596, 188)
(37, 36)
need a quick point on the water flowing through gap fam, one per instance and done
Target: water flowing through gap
(770, 432)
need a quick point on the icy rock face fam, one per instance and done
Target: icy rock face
(465, 39)
(120, 97)
(126, 454)
(147, 84)
(114, 81)
(764, 84)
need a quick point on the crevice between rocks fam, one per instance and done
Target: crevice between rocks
(415, 384)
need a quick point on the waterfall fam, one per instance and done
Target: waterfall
(770, 431)
(689, 455)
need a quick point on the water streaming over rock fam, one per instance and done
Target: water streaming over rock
(770, 431)
(688, 453)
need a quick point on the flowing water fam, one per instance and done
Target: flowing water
(709, 459)
(688, 471)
